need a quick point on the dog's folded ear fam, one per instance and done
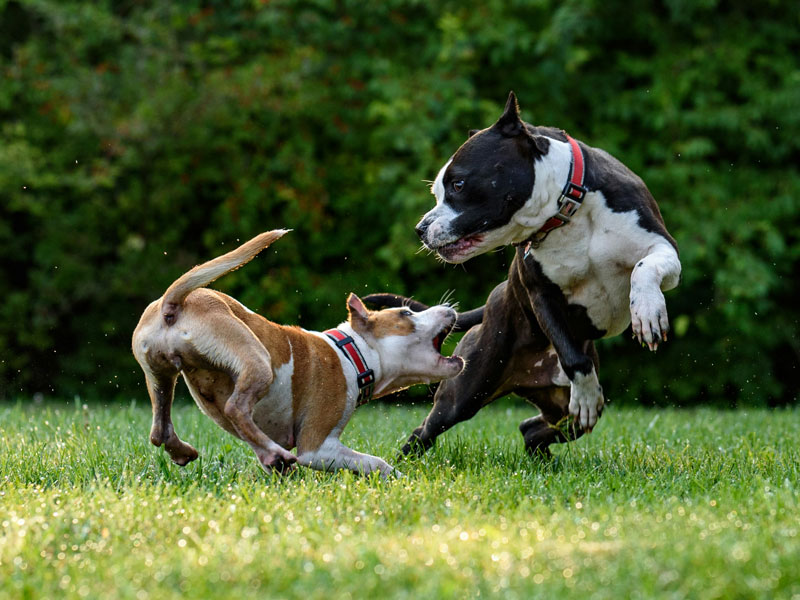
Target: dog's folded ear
(356, 311)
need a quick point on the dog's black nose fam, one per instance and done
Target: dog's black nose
(421, 228)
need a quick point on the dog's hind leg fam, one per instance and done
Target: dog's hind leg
(553, 425)
(232, 347)
(161, 388)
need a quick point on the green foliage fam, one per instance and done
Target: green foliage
(653, 504)
(140, 138)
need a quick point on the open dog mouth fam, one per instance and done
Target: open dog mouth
(439, 338)
(438, 341)
(460, 246)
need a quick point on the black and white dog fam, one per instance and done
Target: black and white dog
(593, 256)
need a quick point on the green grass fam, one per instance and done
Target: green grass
(655, 503)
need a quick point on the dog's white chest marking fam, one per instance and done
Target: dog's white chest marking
(273, 413)
(592, 258)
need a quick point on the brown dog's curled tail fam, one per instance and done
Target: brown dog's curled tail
(202, 275)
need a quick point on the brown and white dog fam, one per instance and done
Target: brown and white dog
(279, 387)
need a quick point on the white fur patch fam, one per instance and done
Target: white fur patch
(586, 399)
(437, 189)
(441, 216)
(560, 378)
(592, 258)
(332, 454)
(273, 413)
(659, 270)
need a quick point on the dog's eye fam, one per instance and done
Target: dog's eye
(457, 185)
(406, 313)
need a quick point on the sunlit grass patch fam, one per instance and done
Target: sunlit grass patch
(652, 504)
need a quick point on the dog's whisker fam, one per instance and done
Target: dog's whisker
(447, 299)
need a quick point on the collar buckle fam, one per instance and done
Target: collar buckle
(366, 385)
(574, 191)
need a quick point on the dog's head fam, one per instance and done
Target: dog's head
(409, 343)
(481, 191)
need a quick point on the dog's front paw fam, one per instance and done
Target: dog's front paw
(586, 400)
(649, 316)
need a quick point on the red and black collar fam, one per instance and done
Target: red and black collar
(570, 200)
(365, 376)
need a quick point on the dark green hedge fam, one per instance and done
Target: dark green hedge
(140, 137)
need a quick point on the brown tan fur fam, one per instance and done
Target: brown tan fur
(383, 324)
(319, 393)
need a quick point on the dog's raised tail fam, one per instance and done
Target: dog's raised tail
(201, 275)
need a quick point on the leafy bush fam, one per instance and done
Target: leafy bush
(140, 138)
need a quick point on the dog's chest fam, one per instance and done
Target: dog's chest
(591, 262)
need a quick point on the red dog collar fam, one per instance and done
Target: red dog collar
(570, 200)
(365, 376)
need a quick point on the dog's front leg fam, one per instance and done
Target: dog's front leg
(333, 454)
(586, 396)
(657, 272)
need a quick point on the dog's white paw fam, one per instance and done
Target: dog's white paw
(649, 316)
(586, 400)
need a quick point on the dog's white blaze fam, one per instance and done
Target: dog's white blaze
(438, 184)
(421, 362)
(441, 216)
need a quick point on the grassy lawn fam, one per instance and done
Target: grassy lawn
(655, 503)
